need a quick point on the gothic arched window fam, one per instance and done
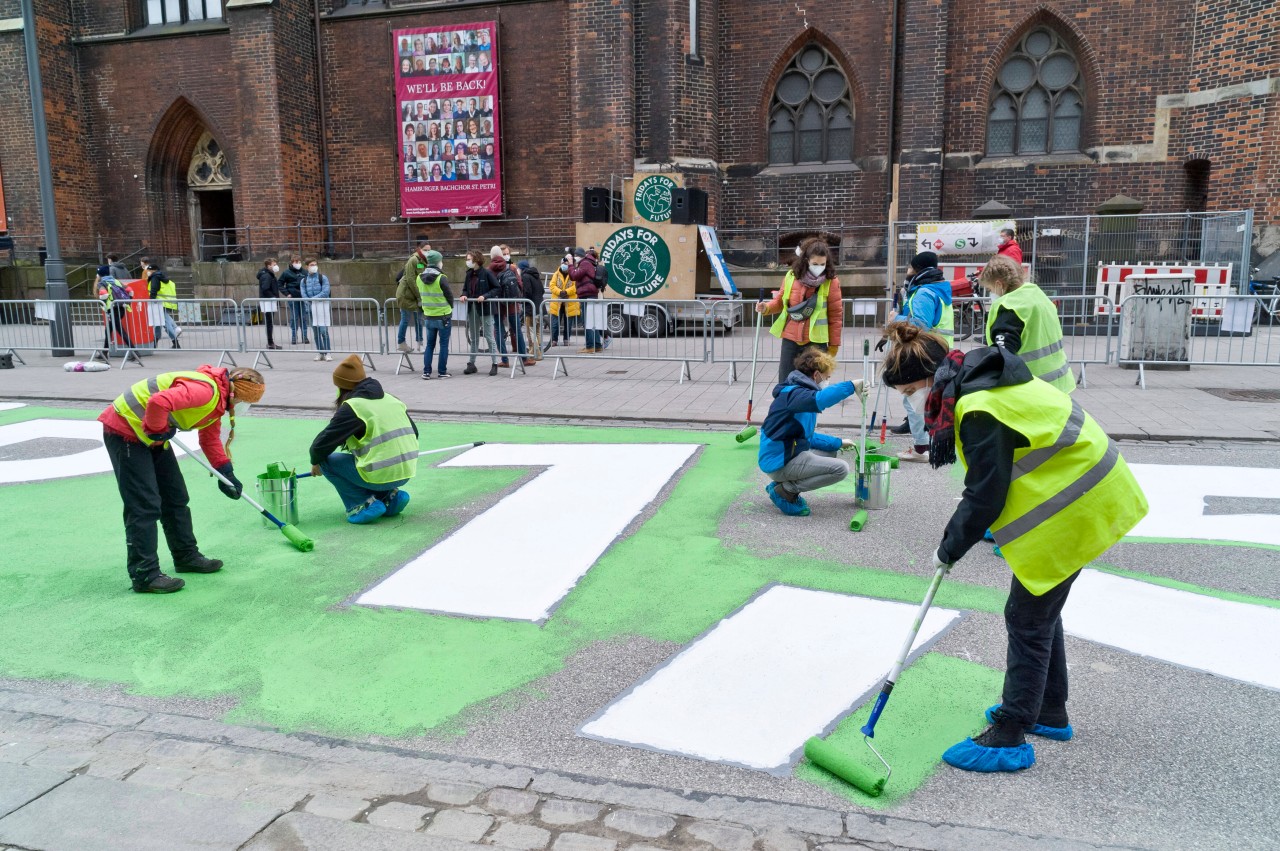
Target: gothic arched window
(811, 115)
(1037, 103)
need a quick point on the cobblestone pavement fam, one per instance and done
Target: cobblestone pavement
(78, 774)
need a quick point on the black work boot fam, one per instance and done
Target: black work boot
(160, 585)
(1004, 732)
(199, 564)
(905, 428)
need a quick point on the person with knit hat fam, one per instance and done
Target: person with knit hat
(1055, 492)
(381, 443)
(926, 304)
(136, 429)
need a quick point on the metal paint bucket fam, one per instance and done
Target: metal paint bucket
(278, 493)
(876, 482)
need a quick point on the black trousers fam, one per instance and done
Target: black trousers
(115, 320)
(269, 319)
(1035, 680)
(790, 351)
(152, 488)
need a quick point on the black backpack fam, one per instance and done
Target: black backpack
(602, 275)
(509, 284)
(533, 290)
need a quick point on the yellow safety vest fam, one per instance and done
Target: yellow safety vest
(817, 320)
(1072, 495)
(132, 404)
(168, 295)
(388, 450)
(946, 321)
(433, 300)
(1041, 347)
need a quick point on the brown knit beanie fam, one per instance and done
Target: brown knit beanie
(349, 373)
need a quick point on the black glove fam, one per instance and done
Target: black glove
(232, 491)
(884, 341)
(162, 436)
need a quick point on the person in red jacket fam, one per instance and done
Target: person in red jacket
(137, 428)
(1009, 247)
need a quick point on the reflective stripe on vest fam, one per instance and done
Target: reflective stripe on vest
(132, 404)
(817, 320)
(1072, 495)
(946, 326)
(433, 300)
(168, 295)
(388, 451)
(1041, 347)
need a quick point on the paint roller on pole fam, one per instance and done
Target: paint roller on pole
(430, 452)
(844, 765)
(749, 431)
(859, 519)
(293, 533)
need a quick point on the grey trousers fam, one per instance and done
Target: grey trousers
(810, 470)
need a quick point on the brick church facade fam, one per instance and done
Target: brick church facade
(168, 115)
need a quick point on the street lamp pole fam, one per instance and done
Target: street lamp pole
(55, 271)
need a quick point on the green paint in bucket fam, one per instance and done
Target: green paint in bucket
(875, 477)
(278, 493)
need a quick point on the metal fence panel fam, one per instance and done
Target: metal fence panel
(1245, 335)
(341, 325)
(675, 331)
(28, 325)
(200, 325)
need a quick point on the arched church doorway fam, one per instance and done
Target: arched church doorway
(210, 202)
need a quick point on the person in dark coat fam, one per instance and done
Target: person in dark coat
(531, 283)
(291, 288)
(268, 292)
(478, 286)
(583, 275)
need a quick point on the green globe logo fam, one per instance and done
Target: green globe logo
(638, 261)
(653, 198)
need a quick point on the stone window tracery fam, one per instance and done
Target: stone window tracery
(811, 114)
(1037, 102)
(208, 168)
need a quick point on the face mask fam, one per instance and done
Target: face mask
(296, 265)
(564, 267)
(275, 270)
(824, 384)
(817, 270)
(507, 257)
(799, 253)
(311, 270)
(470, 264)
(242, 408)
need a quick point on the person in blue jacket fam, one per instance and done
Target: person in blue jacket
(926, 303)
(792, 454)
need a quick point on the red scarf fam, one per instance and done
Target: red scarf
(940, 410)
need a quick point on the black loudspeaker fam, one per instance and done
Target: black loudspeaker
(688, 207)
(596, 204)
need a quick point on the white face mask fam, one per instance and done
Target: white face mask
(799, 253)
(296, 265)
(471, 264)
(243, 408)
(507, 257)
(311, 270)
(817, 270)
(824, 384)
(917, 394)
(275, 270)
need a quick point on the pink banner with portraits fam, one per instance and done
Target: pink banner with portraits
(447, 115)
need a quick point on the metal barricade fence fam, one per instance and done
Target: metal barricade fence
(199, 325)
(472, 335)
(31, 325)
(1159, 331)
(342, 325)
(676, 331)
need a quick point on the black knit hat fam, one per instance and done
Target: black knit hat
(910, 369)
(924, 260)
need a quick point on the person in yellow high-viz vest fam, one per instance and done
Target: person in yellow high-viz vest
(436, 298)
(136, 429)
(1051, 486)
(381, 444)
(1024, 321)
(808, 306)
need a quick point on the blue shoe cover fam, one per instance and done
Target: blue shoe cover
(395, 502)
(367, 513)
(1058, 734)
(970, 756)
(791, 509)
(988, 537)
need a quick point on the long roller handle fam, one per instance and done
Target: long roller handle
(243, 495)
(755, 349)
(869, 729)
(425, 452)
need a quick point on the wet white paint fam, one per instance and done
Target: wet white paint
(1234, 640)
(1177, 494)
(518, 559)
(785, 667)
(9, 406)
(92, 460)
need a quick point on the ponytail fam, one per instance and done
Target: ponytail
(914, 355)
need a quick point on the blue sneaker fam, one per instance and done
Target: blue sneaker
(988, 537)
(367, 513)
(1058, 734)
(799, 508)
(395, 501)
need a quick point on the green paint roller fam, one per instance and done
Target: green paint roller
(750, 431)
(859, 520)
(844, 765)
(293, 533)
